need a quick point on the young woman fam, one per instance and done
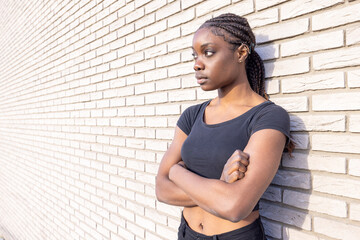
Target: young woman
(217, 141)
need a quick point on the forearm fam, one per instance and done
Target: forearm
(214, 196)
(170, 193)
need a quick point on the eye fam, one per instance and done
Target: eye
(194, 56)
(208, 53)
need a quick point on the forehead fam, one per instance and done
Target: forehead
(205, 36)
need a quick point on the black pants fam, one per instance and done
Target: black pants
(253, 231)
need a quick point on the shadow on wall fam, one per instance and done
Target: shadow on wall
(284, 206)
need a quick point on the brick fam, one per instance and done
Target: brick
(267, 52)
(167, 134)
(286, 215)
(335, 185)
(133, 37)
(154, 5)
(281, 30)
(355, 211)
(290, 234)
(272, 86)
(336, 229)
(145, 43)
(145, 21)
(354, 79)
(155, 28)
(181, 18)
(180, 69)
(336, 143)
(134, 15)
(156, 74)
(181, 43)
(273, 194)
(135, 57)
(354, 167)
(144, 66)
(336, 17)
(272, 229)
(165, 231)
(265, 4)
(183, 95)
(168, 10)
(168, 60)
(168, 35)
(293, 9)
(239, 7)
(144, 133)
(167, 109)
(205, 95)
(155, 145)
(292, 104)
(191, 27)
(209, 6)
(313, 82)
(313, 43)
(135, 79)
(352, 35)
(315, 162)
(155, 51)
(315, 203)
(168, 84)
(336, 101)
(126, 9)
(135, 100)
(287, 67)
(292, 179)
(188, 3)
(157, 97)
(354, 123)
(344, 57)
(145, 111)
(145, 88)
(263, 18)
(317, 123)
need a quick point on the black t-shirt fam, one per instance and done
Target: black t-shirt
(208, 147)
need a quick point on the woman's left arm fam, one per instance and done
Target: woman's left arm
(235, 201)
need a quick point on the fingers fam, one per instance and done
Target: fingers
(234, 176)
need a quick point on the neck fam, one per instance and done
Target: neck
(239, 94)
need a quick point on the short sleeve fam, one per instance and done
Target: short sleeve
(189, 116)
(185, 121)
(272, 117)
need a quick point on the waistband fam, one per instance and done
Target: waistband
(253, 228)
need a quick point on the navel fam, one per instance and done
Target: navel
(201, 226)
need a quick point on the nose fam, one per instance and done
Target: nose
(198, 65)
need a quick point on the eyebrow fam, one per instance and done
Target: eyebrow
(204, 45)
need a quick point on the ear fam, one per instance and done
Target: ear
(242, 53)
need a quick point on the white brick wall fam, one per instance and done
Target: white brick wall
(91, 91)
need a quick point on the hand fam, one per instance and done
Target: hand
(181, 163)
(235, 167)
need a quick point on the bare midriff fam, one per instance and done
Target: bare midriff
(208, 224)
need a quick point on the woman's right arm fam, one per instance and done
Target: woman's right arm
(166, 190)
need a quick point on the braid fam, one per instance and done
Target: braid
(236, 31)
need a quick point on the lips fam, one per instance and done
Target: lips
(201, 79)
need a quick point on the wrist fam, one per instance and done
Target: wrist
(173, 170)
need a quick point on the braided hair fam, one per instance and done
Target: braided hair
(237, 31)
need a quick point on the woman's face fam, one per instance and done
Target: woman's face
(216, 64)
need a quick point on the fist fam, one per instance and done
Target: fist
(235, 167)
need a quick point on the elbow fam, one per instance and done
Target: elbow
(235, 212)
(158, 191)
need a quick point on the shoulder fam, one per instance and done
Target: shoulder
(189, 116)
(272, 110)
(271, 116)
